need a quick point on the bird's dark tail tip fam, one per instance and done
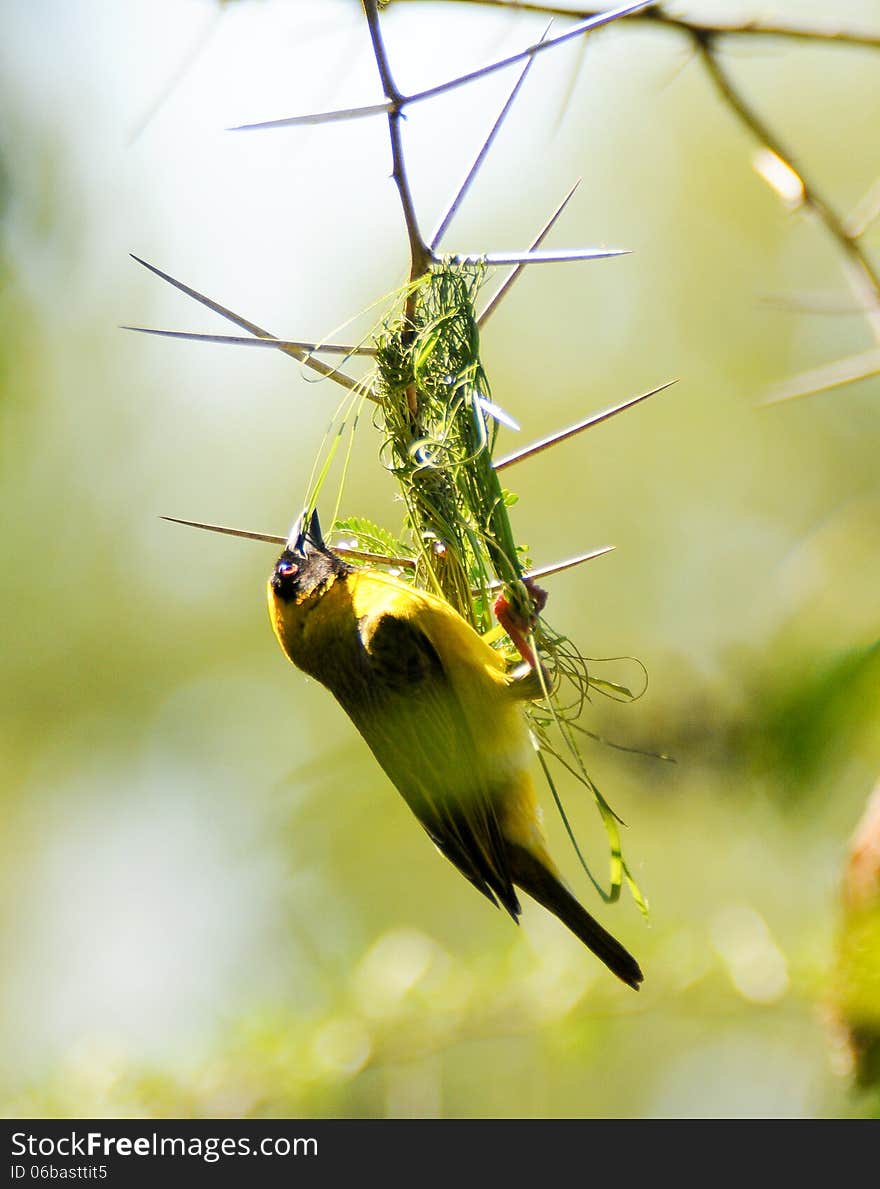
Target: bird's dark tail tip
(542, 885)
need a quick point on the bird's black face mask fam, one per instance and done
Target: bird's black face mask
(306, 567)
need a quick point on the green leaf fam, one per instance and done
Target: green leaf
(371, 537)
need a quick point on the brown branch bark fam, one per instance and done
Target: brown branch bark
(833, 33)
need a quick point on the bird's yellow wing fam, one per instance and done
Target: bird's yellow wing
(413, 719)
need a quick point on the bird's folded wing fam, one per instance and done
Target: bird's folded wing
(419, 731)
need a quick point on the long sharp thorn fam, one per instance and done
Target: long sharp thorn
(206, 301)
(559, 566)
(452, 209)
(227, 532)
(320, 117)
(503, 288)
(374, 109)
(403, 563)
(569, 564)
(315, 364)
(579, 427)
(585, 26)
(820, 379)
(531, 257)
(244, 341)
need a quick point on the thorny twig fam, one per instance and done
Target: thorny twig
(420, 253)
(704, 36)
(860, 271)
(811, 196)
(462, 508)
(397, 101)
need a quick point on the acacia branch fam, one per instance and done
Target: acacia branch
(399, 100)
(420, 253)
(829, 33)
(860, 271)
(811, 196)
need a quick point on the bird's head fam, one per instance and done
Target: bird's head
(307, 568)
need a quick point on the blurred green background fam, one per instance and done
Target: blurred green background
(213, 902)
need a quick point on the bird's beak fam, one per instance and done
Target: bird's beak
(305, 535)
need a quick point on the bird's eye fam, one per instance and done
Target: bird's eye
(287, 569)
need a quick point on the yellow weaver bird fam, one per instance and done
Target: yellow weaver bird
(441, 715)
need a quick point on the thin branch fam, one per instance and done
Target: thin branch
(420, 253)
(832, 375)
(504, 287)
(317, 365)
(836, 34)
(861, 272)
(812, 198)
(395, 103)
(237, 340)
(564, 434)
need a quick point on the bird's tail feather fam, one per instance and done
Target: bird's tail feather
(530, 874)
